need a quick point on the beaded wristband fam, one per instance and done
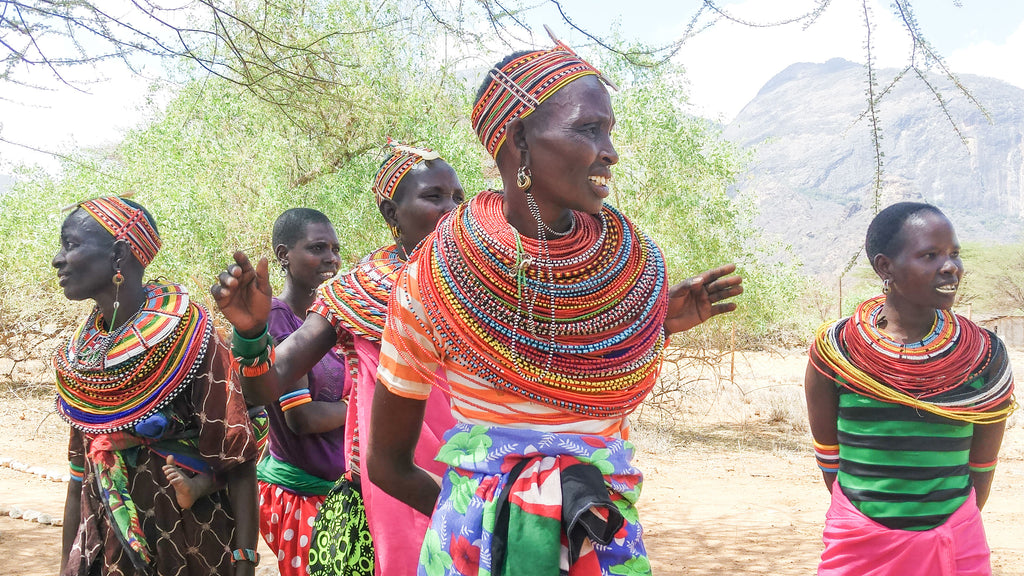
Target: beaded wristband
(295, 399)
(983, 466)
(243, 347)
(827, 456)
(77, 472)
(247, 554)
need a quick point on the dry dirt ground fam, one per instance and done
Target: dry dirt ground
(731, 486)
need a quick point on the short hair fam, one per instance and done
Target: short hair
(884, 231)
(291, 225)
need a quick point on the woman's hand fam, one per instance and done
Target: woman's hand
(696, 299)
(243, 295)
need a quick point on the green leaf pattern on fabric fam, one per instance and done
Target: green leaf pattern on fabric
(463, 488)
(466, 447)
(638, 566)
(433, 558)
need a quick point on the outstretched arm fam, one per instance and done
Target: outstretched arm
(243, 295)
(395, 427)
(696, 299)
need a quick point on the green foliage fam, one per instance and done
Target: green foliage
(221, 162)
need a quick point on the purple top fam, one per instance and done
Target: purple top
(322, 455)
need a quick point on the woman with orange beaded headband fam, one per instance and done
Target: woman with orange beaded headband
(547, 311)
(145, 378)
(414, 188)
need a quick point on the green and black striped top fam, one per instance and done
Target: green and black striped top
(902, 468)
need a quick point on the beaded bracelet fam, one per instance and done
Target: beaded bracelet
(252, 357)
(295, 399)
(827, 456)
(983, 466)
(77, 472)
(247, 554)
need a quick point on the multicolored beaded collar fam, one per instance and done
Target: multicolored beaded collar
(110, 382)
(359, 298)
(940, 374)
(492, 314)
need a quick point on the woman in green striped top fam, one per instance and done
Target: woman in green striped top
(907, 404)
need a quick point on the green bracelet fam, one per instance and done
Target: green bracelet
(243, 347)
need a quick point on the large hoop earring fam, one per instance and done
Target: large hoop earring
(284, 270)
(886, 286)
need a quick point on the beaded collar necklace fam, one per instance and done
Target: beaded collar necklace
(359, 298)
(579, 330)
(939, 374)
(143, 367)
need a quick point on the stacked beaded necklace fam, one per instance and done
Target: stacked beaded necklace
(146, 366)
(579, 326)
(936, 374)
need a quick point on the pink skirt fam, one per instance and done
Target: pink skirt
(855, 545)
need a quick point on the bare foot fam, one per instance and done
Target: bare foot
(187, 489)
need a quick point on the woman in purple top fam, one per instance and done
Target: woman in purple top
(307, 427)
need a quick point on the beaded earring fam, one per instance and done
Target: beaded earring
(118, 279)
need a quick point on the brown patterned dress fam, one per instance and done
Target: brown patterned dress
(196, 541)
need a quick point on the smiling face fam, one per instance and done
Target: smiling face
(85, 262)
(314, 258)
(926, 269)
(568, 140)
(430, 190)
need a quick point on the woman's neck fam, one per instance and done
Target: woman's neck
(520, 216)
(297, 298)
(906, 324)
(129, 301)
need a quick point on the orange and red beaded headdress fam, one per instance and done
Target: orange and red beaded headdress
(517, 88)
(403, 158)
(127, 223)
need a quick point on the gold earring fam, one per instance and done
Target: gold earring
(524, 178)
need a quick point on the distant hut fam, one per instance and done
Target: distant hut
(1010, 328)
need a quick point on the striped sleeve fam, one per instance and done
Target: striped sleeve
(408, 354)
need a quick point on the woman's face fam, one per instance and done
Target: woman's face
(570, 148)
(315, 257)
(85, 262)
(430, 190)
(927, 269)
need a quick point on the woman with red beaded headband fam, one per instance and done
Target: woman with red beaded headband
(414, 188)
(146, 378)
(907, 404)
(548, 312)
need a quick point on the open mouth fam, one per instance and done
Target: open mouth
(600, 183)
(948, 288)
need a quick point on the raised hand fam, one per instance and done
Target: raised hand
(696, 299)
(242, 293)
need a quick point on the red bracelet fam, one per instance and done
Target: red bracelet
(247, 554)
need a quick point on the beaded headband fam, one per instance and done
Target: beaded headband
(125, 223)
(403, 158)
(519, 87)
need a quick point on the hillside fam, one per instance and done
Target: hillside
(813, 166)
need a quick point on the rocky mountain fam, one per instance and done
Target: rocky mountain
(813, 168)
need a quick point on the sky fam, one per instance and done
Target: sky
(725, 65)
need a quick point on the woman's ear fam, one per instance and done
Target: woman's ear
(120, 254)
(515, 132)
(389, 210)
(281, 252)
(882, 265)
